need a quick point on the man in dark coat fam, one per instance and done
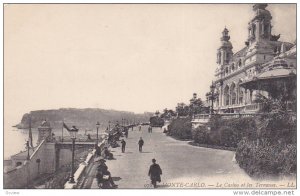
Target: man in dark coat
(98, 150)
(141, 143)
(123, 145)
(154, 173)
(102, 170)
(107, 154)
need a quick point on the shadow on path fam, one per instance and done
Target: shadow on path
(116, 178)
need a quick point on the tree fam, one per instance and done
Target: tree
(182, 109)
(167, 114)
(196, 105)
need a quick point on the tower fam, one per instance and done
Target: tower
(224, 53)
(44, 131)
(259, 28)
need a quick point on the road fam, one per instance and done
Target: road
(183, 165)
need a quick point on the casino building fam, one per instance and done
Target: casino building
(264, 60)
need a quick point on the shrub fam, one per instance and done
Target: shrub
(266, 159)
(273, 150)
(201, 135)
(181, 128)
(225, 132)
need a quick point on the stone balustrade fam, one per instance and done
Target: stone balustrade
(82, 167)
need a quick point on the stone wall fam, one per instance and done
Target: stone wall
(29, 170)
(65, 157)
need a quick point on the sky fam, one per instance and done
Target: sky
(125, 57)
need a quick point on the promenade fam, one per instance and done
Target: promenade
(183, 165)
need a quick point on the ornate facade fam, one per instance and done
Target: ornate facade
(261, 48)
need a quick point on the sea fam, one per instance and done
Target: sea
(15, 139)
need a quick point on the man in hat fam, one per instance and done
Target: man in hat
(141, 143)
(107, 154)
(154, 173)
(123, 145)
(102, 170)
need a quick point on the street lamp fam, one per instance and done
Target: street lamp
(73, 132)
(28, 153)
(97, 125)
(212, 96)
(38, 161)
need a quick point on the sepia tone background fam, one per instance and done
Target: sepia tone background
(125, 57)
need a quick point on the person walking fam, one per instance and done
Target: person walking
(154, 173)
(123, 145)
(140, 127)
(150, 129)
(141, 143)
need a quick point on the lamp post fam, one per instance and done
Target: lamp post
(212, 96)
(97, 125)
(38, 161)
(73, 132)
(28, 154)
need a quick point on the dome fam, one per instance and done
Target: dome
(259, 6)
(261, 12)
(226, 44)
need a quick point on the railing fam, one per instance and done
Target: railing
(202, 116)
(224, 115)
(253, 107)
(82, 168)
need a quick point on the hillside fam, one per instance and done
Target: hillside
(82, 118)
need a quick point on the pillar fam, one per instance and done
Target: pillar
(251, 92)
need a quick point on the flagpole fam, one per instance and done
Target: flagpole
(62, 132)
(30, 134)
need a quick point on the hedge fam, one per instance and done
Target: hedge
(225, 132)
(265, 145)
(273, 152)
(266, 159)
(181, 128)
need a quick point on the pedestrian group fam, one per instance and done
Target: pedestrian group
(103, 175)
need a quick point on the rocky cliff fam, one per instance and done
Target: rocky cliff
(82, 118)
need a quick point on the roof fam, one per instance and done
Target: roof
(275, 73)
(263, 80)
(239, 54)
